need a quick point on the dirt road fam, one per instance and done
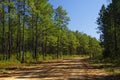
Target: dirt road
(67, 69)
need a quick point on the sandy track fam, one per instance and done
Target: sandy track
(67, 69)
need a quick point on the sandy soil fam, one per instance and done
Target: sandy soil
(67, 69)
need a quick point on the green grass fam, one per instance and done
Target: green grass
(111, 67)
(29, 59)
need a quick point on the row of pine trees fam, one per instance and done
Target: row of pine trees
(109, 28)
(35, 27)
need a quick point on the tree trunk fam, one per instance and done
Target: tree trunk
(18, 32)
(3, 35)
(9, 25)
(23, 55)
(36, 41)
(58, 44)
(32, 47)
(43, 48)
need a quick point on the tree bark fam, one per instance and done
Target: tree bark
(9, 36)
(23, 55)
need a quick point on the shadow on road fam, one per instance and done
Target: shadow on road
(68, 69)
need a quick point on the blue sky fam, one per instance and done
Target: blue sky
(83, 14)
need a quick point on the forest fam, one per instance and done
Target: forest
(109, 29)
(30, 29)
(36, 43)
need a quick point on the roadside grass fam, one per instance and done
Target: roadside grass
(110, 67)
(14, 64)
(73, 56)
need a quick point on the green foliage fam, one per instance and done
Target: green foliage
(109, 29)
(13, 61)
(35, 31)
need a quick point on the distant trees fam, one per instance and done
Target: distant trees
(60, 20)
(109, 27)
(33, 27)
